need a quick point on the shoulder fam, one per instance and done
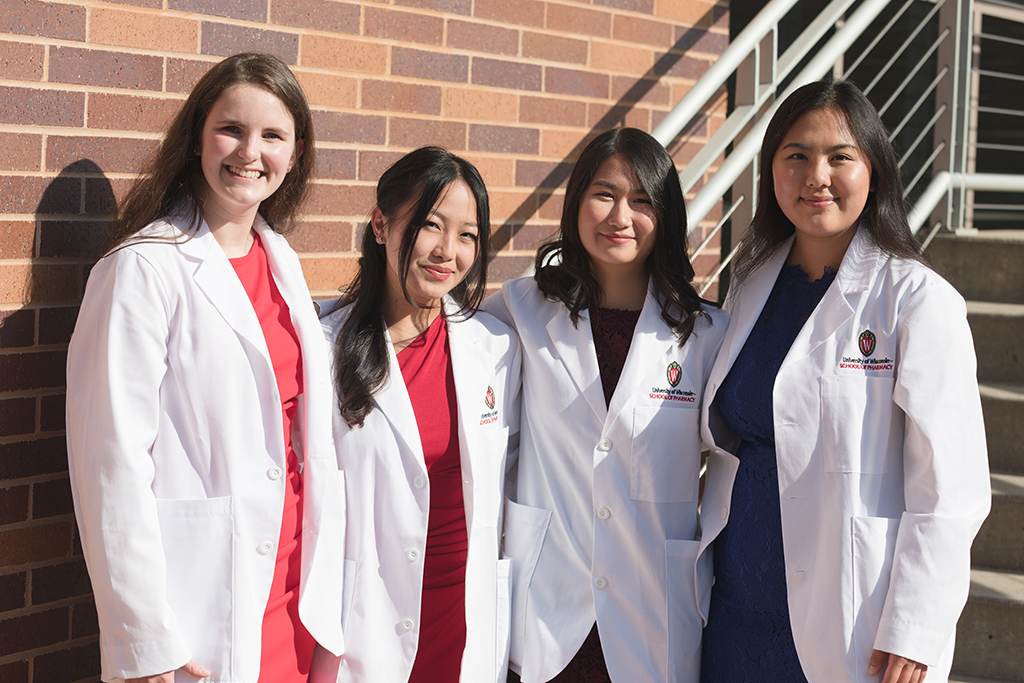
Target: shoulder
(714, 324)
(914, 284)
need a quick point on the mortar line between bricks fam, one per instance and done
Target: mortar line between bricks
(16, 438)
(32, 523)
(63, 645)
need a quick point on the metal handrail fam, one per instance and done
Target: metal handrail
(944, 182)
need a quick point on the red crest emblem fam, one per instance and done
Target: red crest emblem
(674, 373)
(867, 342)
(489, 398)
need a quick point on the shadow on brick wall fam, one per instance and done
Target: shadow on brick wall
(48, 627)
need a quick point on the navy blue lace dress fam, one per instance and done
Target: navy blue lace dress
(748, 636)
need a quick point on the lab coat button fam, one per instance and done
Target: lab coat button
(413, 555)
(725, 512)
(604, 513)
(604, 445)
(407, 624)
(600, 583)
(274, 473)
(265, 548)
(419, 482)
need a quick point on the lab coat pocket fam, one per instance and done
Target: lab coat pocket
(503, 617)
(488, 476)
(874, 542)
(665, 454)
(525, 529)
(684, 621)
(198, 540)
(856, 414)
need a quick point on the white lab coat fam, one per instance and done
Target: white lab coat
(177, 457)
(883, 476)
(603, 524)
(388, 492)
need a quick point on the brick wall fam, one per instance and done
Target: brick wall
(86, 87)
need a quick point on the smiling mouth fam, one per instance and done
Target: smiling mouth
(438, 272)
(818, 201)
(617, 238)
(242, 173)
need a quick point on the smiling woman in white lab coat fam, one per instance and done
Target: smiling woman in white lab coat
(197, 383)
(427, 394)
(602, 524)
(848, 464)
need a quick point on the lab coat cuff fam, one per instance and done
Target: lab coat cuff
(911, 641)
(135, 660)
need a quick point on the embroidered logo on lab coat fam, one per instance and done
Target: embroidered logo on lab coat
(674, 373)
(867, 342)
(491, 414)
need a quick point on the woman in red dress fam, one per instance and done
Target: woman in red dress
(427, 397)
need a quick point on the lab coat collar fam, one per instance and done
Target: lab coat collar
(575, 348)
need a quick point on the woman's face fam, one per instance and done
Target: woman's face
(445, 250)
(248, 148)
(617, 222)
(822, 177)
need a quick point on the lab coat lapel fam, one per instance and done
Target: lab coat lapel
(575, 348)
(652, 339)
(396, 407)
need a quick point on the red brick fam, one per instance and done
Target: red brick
(328, 89)
(29, 107)
(509, 267)
(340, 200)
(25, 195)
(83, 620)
(337, 164)
(552, 111)
(409, 97)
(601, 116)
(46, 19)
(153, 4)
(643, 31)
(131, 113)
(55, 326)
(21, 61)
(554, 48)
(60, 581)
(584, 22)
(101, 67)
(31, 631)
(51, 413)
(14, 499)
(503, 74)
(684, 67)
(253, 10)
(17, 328)
(416, 133)
(183, 74)
(432, 66)
(323, 15)
(322, 236)
(330, 273)
(33, 458)
(696, 40)
(548, 174)
(412, 27)
(487, 138)
(226, 40)
(630, 89)
(337, 127)
(332, 53)
(39, 283)
(12, 596)
(468, 35)
(518, 13)
(642, 6)
(142, 30)
(17, 418)
(31, 370)
(21, 152)
(449, 6)
(67, 666)
(372, 164)
(110, 155)
(531, 237)
(17, 239)
(551, 204)
(34, 544)
(573, 82)
(101, 194)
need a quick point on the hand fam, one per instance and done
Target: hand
(898, 670)
(191, 669)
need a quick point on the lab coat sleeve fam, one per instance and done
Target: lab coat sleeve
(116, 363)
(498, 305)
(946, 482)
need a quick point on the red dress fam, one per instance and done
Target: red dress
(427, 370)
(287, 647)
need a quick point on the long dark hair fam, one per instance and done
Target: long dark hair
(361, 353)
(173, 179)
(570, 279)
(884, 214)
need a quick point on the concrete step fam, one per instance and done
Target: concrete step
(1000, 542)
(1003, 405)
(988, 266)
(960, 678)
(998, 330)
(990, 633)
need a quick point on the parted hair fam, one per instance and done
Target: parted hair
(563, 270)
(408, 190)
(885, 212)
(173, 180)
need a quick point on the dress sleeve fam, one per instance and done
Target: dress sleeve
(946, 480)
(117, 360)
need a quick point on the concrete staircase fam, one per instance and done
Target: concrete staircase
(988, 269)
